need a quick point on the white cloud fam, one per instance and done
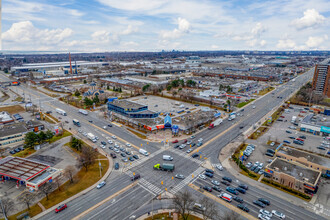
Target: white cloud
(251, 38)
(25, 32)
(184, 27)
(258, 30)
(315, 42)
(311, 18)
(129, 30)
(286, 44)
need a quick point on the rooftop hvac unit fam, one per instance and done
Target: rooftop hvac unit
(285, 168)
(301, 174)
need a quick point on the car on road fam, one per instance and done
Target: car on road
(209, 171)
(96, 137)
(182, 146)
(263, 217)
(192, 137)
(195, 155)
(102, 146)
(215, 182)
(79, 130)
(216, 188)
(258, 203)
(232, 190)
(100, 185)
(179, 176)
(48, 112)
(292, 127)
(264, 201)
(85, 134)
(123, 154)
(105, 127)
(124, 159)
(128, 145)
(110, 125)
(225, 182)
(265, 212)
(175, 141)
(135, 177)
(219, 167)
(254, 107)
(193, 144)
(116, 166)
(177, 145)
(243, 207)
(199, 144)
(227, 179)
(200, 140)
(278, 214)
(113, 155)
(61, 208)
(90, 121)
(185, 141)
(289, 132)
(238, 199)
(239, 189)
(189, 142)
(136, 157)
(243, 186)
(114, 137)
(207, 188)
(188, 151)
(202, 176)
(208, 174)
(103, 142)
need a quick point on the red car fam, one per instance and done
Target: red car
(60, 208)
(282, 116)
(175, 141)
(299, 139)
(185, 141)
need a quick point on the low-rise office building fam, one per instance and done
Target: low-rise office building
(13, 135)
(293, 175)
(5, 118)
(315, 124)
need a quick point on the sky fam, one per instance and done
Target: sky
(155, 25)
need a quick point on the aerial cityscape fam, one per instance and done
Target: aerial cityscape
(169, 110)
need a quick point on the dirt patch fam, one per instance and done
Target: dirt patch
(12, 109)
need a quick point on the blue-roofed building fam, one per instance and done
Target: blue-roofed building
(167, 122)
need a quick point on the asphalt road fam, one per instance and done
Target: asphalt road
(151, 180)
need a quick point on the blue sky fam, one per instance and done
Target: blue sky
(153, 25)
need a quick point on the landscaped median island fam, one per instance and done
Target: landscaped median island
(242, 104)
(88, 175)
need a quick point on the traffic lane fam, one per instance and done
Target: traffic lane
(83, 202)
(254, 193)
(120, 206)
(182, 166)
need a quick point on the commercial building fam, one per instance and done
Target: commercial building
(12, 135)
(321, 79)
(34, 126)
(315, 124)
(307, 159)
(5, 118)
(131, 109)
(293, 175)
(26, 172)
(59, 80)
(244, 86)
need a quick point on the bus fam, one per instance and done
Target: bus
(76, 122)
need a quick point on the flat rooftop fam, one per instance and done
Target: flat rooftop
(21, 168)
(317, 120)
(310, 157)
(126, 104)
(12, 129)
(299, 172)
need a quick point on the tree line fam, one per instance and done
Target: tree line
(32, 139)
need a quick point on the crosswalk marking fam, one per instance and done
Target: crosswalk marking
(187, 180)
(184, 154)
(149, 186)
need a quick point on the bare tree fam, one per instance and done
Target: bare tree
(7, 206)
(69, 172)
(210, 211)
(27, 198)
(183, 203)
(87, 157)
(57, 182)
(47, 188)
(231, 215)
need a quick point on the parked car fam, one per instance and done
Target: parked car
(248, 165)
(287, 142)
(302, 137)
(61, 208)
(287, 131)
(189, 150)
(321, 148)
(113, 155)
(177, 145)
(100, 185)
(175, 141)
(123, 154)
(136, 157)
(209, 171)
(202, 176)
(103, 142)
(291, 137)
(111, 148)
(116, 166)
(272, 144)
(219, 167)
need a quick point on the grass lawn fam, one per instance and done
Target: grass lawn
(12, 109)
(265, 91)
(18, 99)
(240, 105)
(56, 138)
(83, 180)
(24, 153)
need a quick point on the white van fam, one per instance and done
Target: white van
(199, 207)
(144, 152)
(167, 157)
(226, 197)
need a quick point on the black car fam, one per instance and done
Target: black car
(302, 137)
(111, 148)
(136, 157)
(123, 154)
(227, 179)
(195, 155)
(90, 121)
(113, 155)
(193, 144)
(216, 188)
(135, 177)
(208, 174)
(264, 201)
(241, 127)
(238, 199)
(209, 171)
(207, 188)
(131, 158)
(239, 189)
(176, 146)
(109, 125)
(116, 166)
(225, 182)
(48, 112)
(243, 207)
(12, 152)
(17, 150)
(243, 186)
(258, 203)
(103, 142)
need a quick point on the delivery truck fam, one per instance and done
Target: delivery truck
(91, 137)
(164, 167)
(61, 111)
(215, 123)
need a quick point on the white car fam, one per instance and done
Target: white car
(202, 176)
(110, 141)
(128, 145)
(114, 137)
(272, 144)
(219, 167)
(116, 145)
(215, 182)
(79, 130)
(189, 150)
(200, 140)
(85, 134)
(105, 127)
(278, 214)
(263, 217)
(102, 146)
(254, 107)
(266, 213)
(100, 185)
(96, 137)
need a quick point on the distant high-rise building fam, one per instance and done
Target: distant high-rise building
(321, 79)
